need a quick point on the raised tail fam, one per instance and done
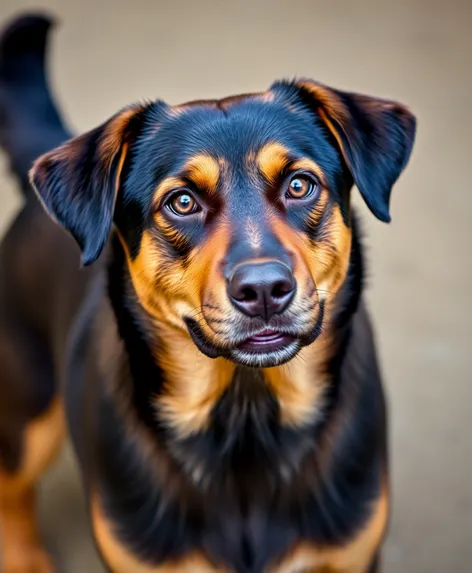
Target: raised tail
(30, 123)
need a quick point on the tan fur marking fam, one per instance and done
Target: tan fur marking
(112, 139)
(121, 560)
(326, 261)
(142, 269)
(331, 103)
(42, 438)
(332, 111)
(299, 385)
(341, 238)
(176, 286)
(124, 152)
(335, 133)
(353, 557)
(194, 383)
(111, 143)
(22, 550)
(271, 159)
(204, 171)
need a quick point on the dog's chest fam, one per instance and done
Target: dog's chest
(354, 556)
(142, 528)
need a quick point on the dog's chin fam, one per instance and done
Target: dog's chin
(265, 358)
(267, 349)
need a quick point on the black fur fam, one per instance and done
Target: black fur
(29, 120)
(245, 512)
(245, 489)
(377, 144)
(377, 140)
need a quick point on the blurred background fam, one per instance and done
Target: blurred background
(105, 54)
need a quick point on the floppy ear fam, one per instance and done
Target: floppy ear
(375, 136)
(78, 182)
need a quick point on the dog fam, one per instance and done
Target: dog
(183, 290)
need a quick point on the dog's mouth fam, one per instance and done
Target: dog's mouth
(265, 348)
(266, 341)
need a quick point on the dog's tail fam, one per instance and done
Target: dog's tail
(30, 123)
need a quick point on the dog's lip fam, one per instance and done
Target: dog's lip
(266, 340)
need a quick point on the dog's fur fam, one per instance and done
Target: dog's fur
(196, 455)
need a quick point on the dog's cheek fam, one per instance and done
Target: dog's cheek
(329, 256)
(204, 277)
(320, 257)
(151, 274)
(296, 244)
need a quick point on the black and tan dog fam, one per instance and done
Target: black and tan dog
(216, 362)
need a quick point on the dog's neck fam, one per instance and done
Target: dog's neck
(219, 418)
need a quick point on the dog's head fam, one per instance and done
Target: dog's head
(234, 214)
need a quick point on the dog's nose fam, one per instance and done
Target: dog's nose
(262, 289)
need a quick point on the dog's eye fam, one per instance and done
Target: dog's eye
(182, 204)
(301, 186)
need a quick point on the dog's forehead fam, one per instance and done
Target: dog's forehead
(234, 127)
(231, 132)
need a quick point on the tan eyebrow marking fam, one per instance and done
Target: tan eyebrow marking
(273, 157)
(271, 160)
(204, 171)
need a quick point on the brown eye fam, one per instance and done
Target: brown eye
(301, 186)
(183, 204)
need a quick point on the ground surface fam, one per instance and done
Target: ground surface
(108, 53)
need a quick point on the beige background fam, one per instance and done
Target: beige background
(107, 53)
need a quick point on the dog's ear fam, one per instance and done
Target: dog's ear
(78, 182)
(375, 136)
